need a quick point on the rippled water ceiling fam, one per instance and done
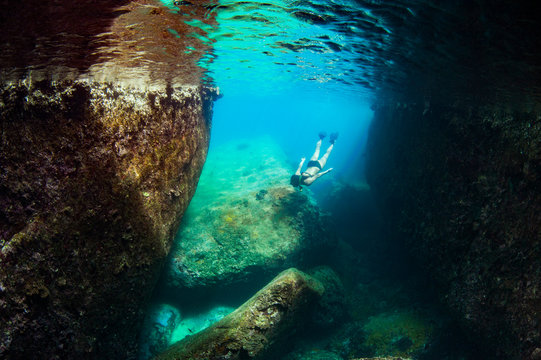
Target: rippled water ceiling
(446, 48)
(466, 48)
(279, 42)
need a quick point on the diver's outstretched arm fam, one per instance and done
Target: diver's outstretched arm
(318, 175)
(298, 172)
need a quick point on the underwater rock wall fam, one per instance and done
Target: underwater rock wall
(460, 186)
(94, 179)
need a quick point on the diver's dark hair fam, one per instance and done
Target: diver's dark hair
(295, 180)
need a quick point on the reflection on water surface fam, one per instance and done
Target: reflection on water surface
(123, 41)
(364, 46)
(452, 48)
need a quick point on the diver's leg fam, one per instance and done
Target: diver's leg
(324, 158)
(316, 153)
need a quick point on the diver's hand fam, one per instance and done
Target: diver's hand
(326, 171)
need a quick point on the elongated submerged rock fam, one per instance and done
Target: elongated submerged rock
(257, 328)
(94, 179)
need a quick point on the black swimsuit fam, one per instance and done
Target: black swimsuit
(305, 175)
(302, 177)
(314, 163)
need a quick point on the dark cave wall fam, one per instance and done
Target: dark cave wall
(460, 188)
(94, 179)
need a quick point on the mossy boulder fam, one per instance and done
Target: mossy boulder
(245, 220)
(331, 309)
(399, 333)
(94, 179)
(260, 327)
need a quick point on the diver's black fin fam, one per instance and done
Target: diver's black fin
(333, 137)
(322, 135)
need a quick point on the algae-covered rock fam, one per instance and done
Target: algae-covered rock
(244, 219)
(259, 327)
(331, 308)
(94, 178)
(399, 334)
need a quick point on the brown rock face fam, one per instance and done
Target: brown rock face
(94, 179)
(258, 328)
(461, 185)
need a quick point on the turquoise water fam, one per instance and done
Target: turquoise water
(270, 47)
(275, 100)
(286, 71)
(294, 120)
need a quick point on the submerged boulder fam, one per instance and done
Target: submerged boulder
(245, 219)
(257, 329)
(94, 178)
(331, 308)
(401, 333)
